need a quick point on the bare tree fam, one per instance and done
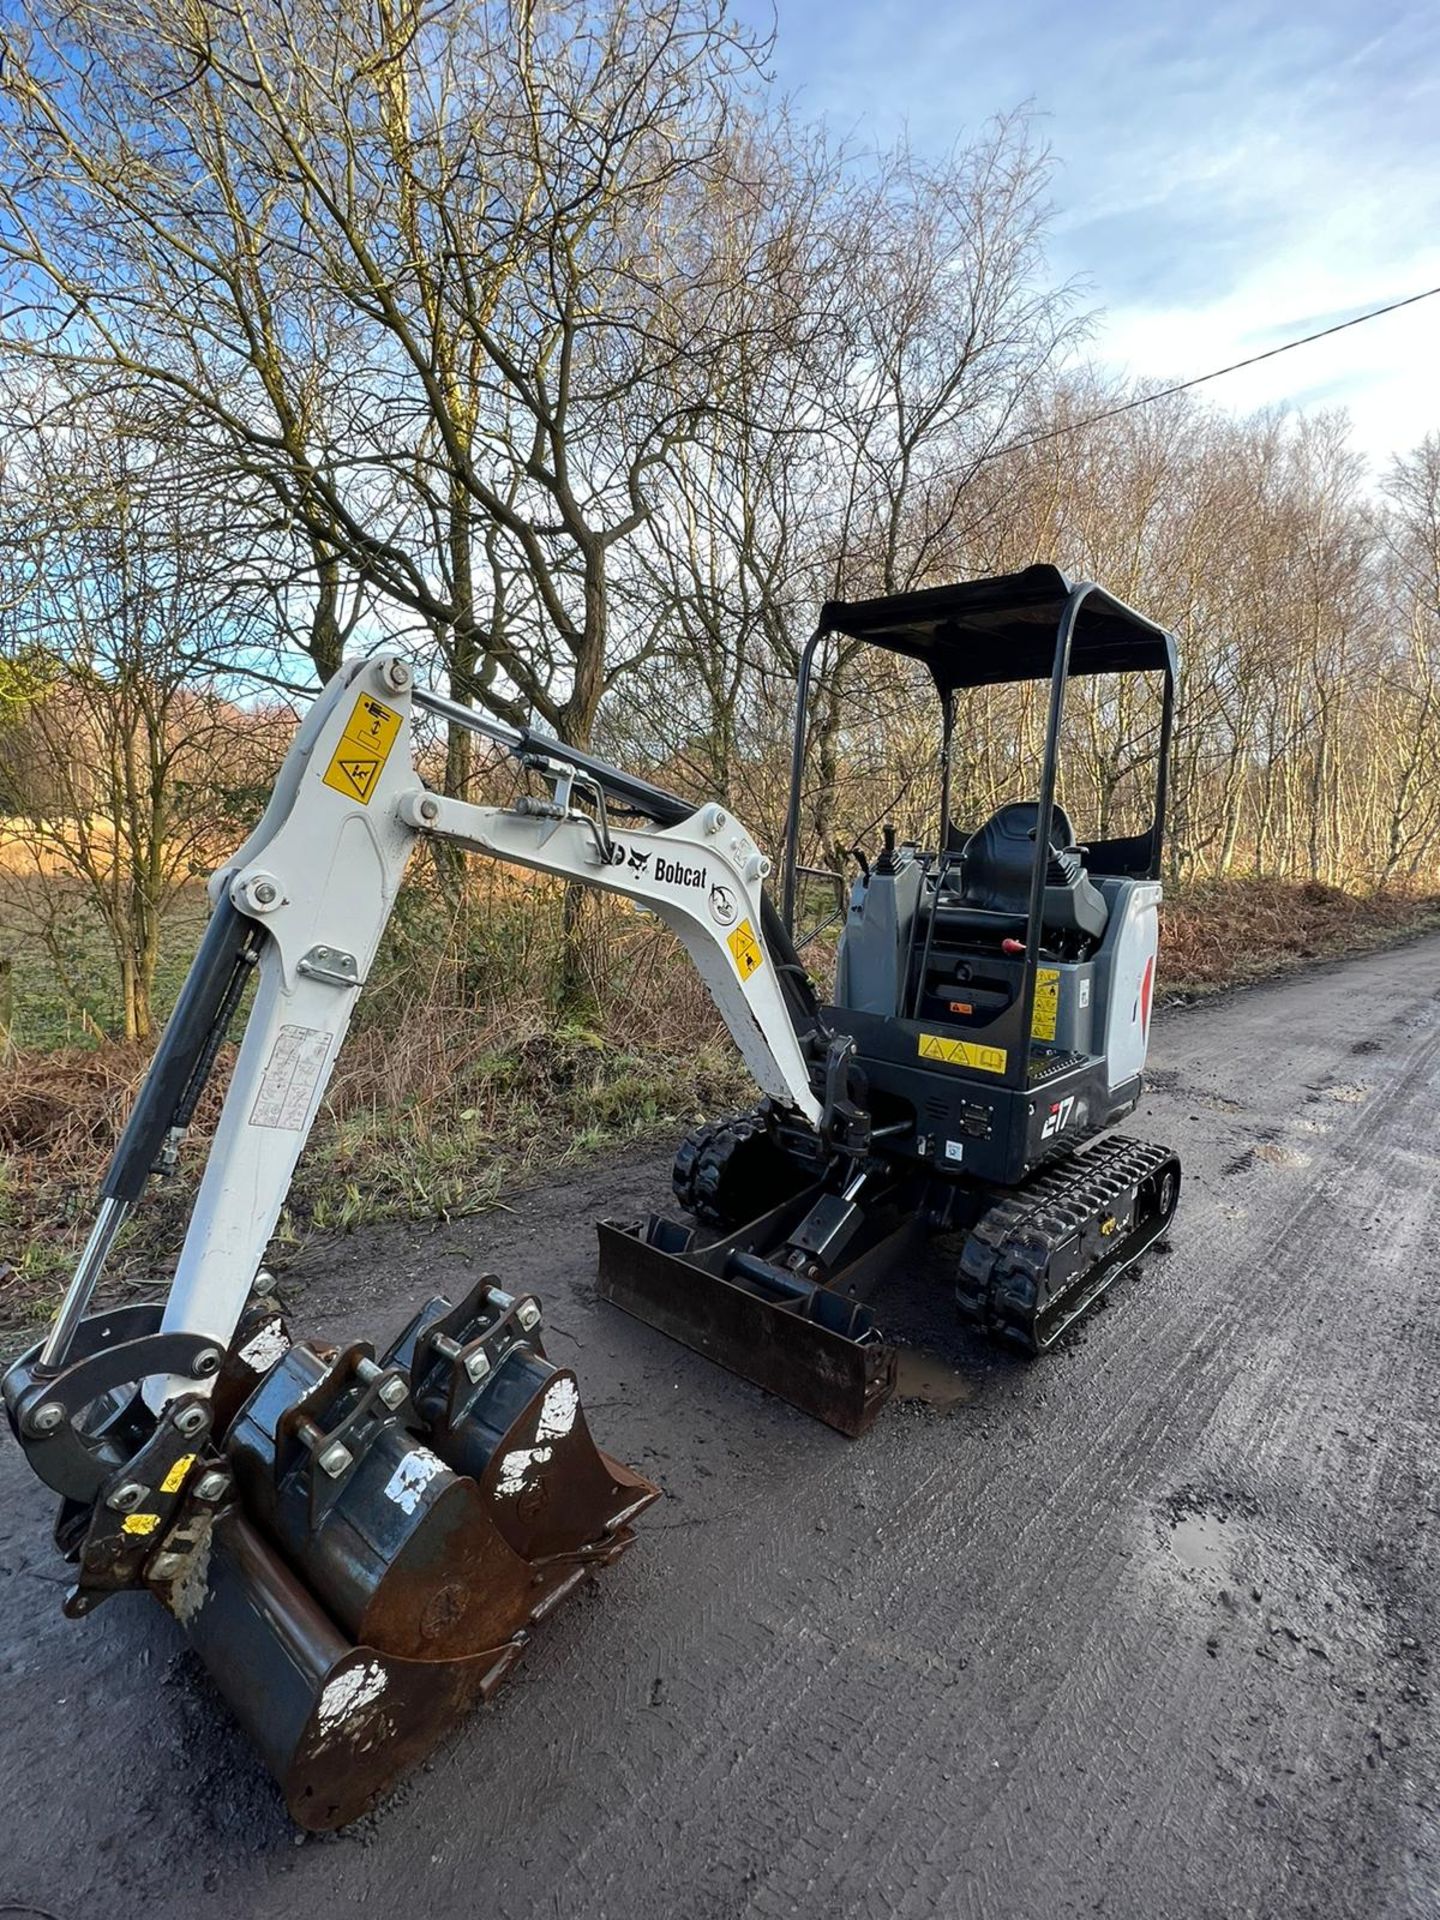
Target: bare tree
(412, 275)
(119, 770)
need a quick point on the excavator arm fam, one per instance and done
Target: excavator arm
(302, 907)
(359, 1545)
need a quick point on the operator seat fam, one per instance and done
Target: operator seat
(993, 895)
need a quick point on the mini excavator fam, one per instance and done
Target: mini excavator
(359, 1544)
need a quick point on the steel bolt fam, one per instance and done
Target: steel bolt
(125, 1499)
(193, 1420)
(206, 1362)
(267, 893)
(212, 1486)
(429, 808)
(335, 1459)
(393, 1392)
(264, 1280)
(528, 1315)
(477, 1365)
(397, 675)
(47, 1418)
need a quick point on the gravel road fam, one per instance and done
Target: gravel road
(1144, 1629)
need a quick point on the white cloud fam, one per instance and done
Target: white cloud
(1228, 176)
(1386, 373)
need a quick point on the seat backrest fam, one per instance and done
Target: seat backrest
(996, 864)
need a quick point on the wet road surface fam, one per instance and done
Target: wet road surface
(1145, 1629)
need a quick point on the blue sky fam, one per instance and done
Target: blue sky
(1227, 176)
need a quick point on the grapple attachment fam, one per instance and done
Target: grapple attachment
(356, 1548)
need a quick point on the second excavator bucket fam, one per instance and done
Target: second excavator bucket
(356, 1548)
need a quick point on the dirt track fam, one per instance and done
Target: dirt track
(1142, 1630)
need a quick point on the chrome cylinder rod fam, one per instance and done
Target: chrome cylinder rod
(466, 717)
(112, 1216)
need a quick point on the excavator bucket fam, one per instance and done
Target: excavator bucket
(356, 1548)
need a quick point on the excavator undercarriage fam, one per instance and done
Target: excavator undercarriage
(785, 1298)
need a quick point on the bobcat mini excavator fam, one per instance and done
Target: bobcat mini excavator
(358, 1544)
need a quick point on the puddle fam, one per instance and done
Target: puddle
(1198, 1542)
(923, 1376)
(1220, 1103)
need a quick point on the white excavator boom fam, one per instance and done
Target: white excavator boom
(320, 875)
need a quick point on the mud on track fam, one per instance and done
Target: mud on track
(1145, 1629)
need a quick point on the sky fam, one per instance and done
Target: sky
(1227, 176)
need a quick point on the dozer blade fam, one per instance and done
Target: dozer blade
(356, 1549)
(814, 1347)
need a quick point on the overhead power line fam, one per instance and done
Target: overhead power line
(1218, 373)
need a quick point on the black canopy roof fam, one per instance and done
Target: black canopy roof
(987, 632)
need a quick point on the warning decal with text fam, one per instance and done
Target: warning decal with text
(364, 748)
(745, 950)
(292, 1074)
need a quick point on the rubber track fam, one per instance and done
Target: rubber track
(701, 1161)
(1017, 1237)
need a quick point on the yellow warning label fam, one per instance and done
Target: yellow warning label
(746, 950)
(962, 1053)
(175, 1478)
(140, 1523)
(1047, 1004)
(364, 748)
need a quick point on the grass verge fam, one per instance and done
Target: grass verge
(542, 1101)
(435, 1113)
(1231, 933)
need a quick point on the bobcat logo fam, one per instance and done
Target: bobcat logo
(638, 861)
(722, 905)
